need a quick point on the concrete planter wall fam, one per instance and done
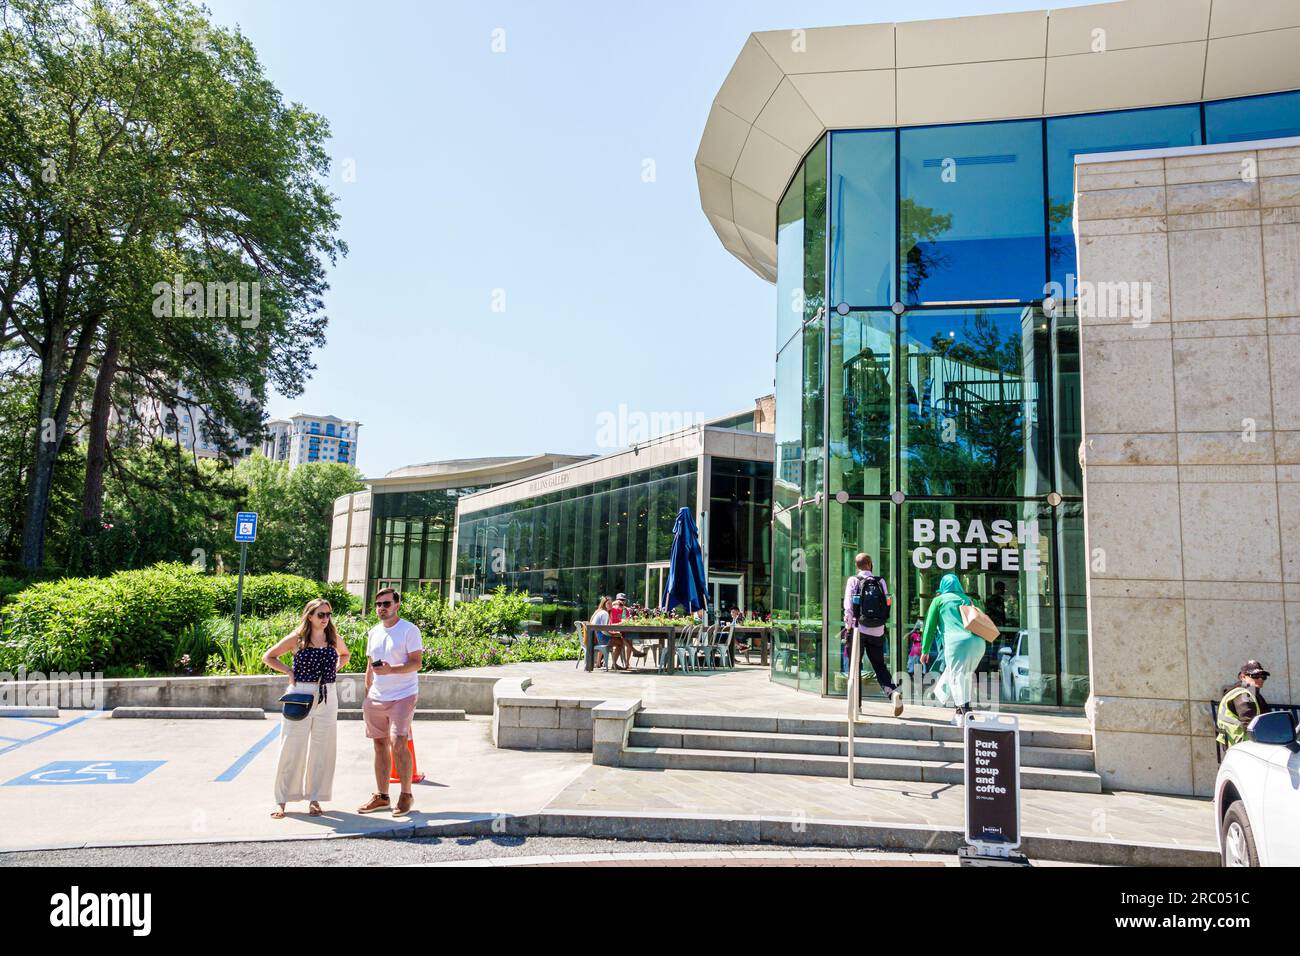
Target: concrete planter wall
(524, 722)
(442, 691)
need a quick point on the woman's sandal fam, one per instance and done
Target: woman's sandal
(278, 814)
(314, 810)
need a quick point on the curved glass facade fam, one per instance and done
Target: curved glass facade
(927, 407)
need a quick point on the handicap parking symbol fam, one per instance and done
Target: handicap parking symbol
(63, 772)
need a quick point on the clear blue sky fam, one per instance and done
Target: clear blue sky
(522, 171)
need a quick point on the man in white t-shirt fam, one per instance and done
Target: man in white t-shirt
(395, 650)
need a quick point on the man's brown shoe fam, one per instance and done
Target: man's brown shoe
(378, 801)
(404, 802)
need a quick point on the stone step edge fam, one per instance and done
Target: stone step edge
(354, 713)
(190, 713)
(250, 713)
(843, 760)
(844, 739)
(664, 720)
(750, 829)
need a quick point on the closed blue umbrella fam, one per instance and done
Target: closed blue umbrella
(687, 584)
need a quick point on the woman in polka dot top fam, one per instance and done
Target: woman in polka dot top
(307, 747)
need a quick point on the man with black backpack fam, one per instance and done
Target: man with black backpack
(866, 612)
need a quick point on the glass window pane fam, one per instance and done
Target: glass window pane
(788, 426)
(1072, 554)
(1002, 554)
(974, 420)
(1253, 117)
(785, 597)
(1070, 136)
(808, 576)
(862, 403)
(863, 251)
(1067, 405)
(789, 261)
(814, 392)
(971, 212)
(814, 231)
(858, 527)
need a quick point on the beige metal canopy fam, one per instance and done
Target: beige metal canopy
(787, 87)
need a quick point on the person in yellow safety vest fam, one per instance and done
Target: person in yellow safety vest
(1241, 704)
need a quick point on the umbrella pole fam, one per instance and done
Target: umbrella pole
(855, 691)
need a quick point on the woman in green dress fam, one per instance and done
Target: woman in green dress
(962, 649)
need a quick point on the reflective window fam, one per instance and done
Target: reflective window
(1070, 136)
(863, 253)
(1253, 117)
(813, 395)
(1072, 556)
(974, 415)
(789, 425)
(854, 527)
(814, 241)
(740, 525)
(571, 546)
(1067, 405)
(862, 403)
(971, 212)
(786, 583)
(1002, 553)
(808, 572)
(789, 261)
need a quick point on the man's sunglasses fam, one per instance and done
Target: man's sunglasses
(384, 603)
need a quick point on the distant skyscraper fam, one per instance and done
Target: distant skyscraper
(185, 423)
(305, 438)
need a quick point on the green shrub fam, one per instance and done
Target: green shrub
(501, 615)
(341, 599)
(82, 624)
(11, 586)
(265, 594)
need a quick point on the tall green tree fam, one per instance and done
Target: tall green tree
(295, 508)
(138, 144)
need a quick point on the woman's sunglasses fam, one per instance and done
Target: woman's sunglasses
(324, 615)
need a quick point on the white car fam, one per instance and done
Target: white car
(1257, 795)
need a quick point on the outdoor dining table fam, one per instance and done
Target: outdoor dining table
(664, 633)
(762, 634)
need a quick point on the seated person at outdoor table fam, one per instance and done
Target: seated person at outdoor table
(618, 644)
(600, 619)
(737, 619)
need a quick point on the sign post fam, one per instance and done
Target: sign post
(992, 748)
(245, 533)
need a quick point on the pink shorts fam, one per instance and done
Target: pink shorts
(385, 718)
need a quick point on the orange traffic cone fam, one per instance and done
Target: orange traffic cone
(416, 776)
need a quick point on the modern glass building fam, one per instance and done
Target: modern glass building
(605, 526)
(927, 352)
(398, 533)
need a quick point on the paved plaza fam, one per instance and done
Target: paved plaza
(210, 780)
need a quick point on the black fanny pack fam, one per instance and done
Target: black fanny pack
(298, 705)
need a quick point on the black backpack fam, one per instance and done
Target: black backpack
(869, 606)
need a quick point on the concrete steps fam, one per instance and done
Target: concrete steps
(884, 749)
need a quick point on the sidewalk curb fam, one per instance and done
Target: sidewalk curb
(776, 831)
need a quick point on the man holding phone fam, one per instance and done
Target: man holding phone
(395, 650)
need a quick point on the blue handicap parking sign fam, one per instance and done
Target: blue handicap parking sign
(246, 526)
(86, 771)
